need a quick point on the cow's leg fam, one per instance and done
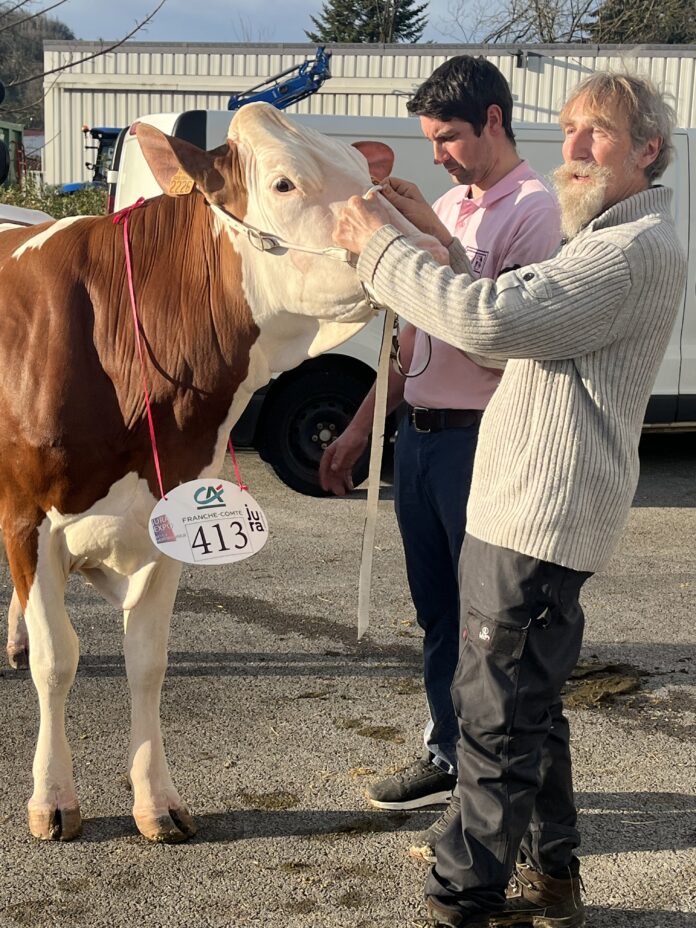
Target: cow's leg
(158, 811)
(54, 812)
(17, 639)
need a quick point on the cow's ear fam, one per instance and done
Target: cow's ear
(380, 158)
(177, 165)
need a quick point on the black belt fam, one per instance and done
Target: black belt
(434, 420)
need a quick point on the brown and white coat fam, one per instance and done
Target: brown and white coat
(77, 480)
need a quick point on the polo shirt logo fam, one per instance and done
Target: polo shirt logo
(477, 258)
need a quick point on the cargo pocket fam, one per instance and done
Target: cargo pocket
(486, 678)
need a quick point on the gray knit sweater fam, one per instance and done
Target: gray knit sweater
(557, 460)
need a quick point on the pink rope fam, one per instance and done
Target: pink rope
(242, 486)
(125, 215)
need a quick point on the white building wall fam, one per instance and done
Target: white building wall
(139, 78)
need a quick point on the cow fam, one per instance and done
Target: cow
(224, 299)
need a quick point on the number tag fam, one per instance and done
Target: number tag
(208, 522)
(180, 184)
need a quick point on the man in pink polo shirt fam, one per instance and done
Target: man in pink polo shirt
(505, 216)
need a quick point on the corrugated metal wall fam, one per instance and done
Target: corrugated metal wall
(139, 78)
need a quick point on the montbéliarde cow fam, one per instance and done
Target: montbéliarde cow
(217, 314)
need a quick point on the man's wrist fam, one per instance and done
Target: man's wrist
(371, 255)
(357, 429)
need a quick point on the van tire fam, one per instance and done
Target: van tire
(301, 415)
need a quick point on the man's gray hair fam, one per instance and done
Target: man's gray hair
(649, 115)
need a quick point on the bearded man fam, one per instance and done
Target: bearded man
(555, 472)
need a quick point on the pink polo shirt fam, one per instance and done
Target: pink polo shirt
(514, 223)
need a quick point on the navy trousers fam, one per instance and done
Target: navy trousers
(432, 477)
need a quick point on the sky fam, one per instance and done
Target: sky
(222, 21)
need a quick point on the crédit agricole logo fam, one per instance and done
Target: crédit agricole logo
(209, 497)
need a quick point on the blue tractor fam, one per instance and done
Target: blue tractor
(101, 140)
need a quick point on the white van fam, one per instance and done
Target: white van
(293, 419)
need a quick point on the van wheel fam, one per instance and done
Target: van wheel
(302, 417)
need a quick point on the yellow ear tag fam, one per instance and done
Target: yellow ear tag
(180, 184)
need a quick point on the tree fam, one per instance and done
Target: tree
(369, 21)
(521, 21)
(639, 22)
(24, 24)
(339, 21)
(21, 48)
(642, 22)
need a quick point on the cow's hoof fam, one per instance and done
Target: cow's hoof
(18, 656)
(55, 824)
(173, 828)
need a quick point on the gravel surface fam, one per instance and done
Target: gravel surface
(275, 718)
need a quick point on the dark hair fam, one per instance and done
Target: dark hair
(463, 88)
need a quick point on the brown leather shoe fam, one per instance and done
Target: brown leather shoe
(541, 901)
(441, 917)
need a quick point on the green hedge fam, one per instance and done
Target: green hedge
(88, 202)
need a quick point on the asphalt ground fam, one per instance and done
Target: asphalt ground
(275, 718)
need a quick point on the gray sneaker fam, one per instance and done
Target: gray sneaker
(423, 847)
(418, 785)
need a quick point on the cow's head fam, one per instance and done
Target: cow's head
(287, 180)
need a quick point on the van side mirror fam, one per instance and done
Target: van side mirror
(4, 162)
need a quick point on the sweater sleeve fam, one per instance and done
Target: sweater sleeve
(560, 308)
(459, 262)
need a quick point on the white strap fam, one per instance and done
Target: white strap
(266, 241)
(378, 424)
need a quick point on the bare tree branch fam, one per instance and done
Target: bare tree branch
(20, 22)
(31, 104)
(245, 32)
(102, 51)
(8, 12)
(668, 22)
(522, 21)
(548, 21)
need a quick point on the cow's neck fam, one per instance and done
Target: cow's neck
(189, 292)
(197, 331)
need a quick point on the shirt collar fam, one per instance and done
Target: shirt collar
(505, 186)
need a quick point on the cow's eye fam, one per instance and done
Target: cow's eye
(283, 185)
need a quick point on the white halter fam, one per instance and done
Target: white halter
(267, 241)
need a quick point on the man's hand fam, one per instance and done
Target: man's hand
(339, 459)
(411, 203)
(357, 222)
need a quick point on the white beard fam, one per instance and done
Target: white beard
(580, 202)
